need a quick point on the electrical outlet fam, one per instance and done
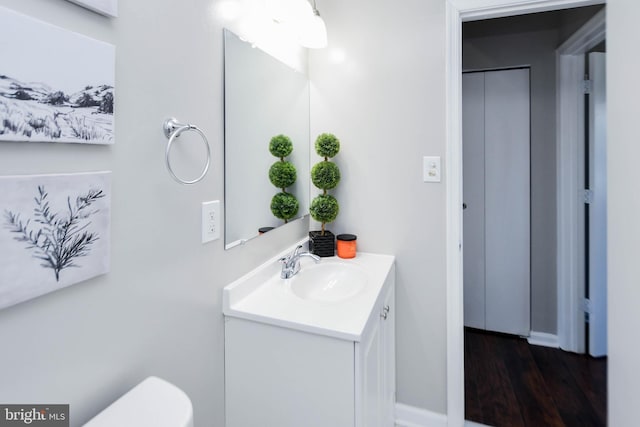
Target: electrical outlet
(431, 168)
(210, 221)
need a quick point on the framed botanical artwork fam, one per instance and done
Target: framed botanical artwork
(55, 85)
(54, 232)
(103, 7)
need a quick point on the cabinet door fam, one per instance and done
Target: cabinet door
(286, 378)
(371, 369)
(388, 332)
(376, 367)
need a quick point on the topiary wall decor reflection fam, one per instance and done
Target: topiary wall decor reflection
(324, 208)
(282, 174)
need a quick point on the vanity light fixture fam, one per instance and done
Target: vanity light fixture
(314, 33)
(289, 12)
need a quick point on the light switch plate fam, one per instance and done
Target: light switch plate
(210, 221)
(431, 168)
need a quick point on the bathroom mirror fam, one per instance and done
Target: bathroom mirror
(263, 98)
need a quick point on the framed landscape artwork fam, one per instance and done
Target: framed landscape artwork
(54, 232)
(55, 85)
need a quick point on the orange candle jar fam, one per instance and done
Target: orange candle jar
(346, 245)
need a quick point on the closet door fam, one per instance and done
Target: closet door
(496, 194)
(473, 197)
(507, 201)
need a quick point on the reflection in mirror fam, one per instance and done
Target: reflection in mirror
(263, 98)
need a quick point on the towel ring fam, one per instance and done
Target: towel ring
(172, 130)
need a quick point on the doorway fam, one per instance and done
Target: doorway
(525, 39)
(457, 11)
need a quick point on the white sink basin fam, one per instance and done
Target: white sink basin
(334, 298)
(328, 282)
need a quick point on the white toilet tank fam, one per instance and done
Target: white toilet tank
(153, 403)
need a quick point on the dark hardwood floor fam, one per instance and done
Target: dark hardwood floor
(509, 383)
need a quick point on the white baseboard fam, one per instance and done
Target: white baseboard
(544, 339)
(409, 416)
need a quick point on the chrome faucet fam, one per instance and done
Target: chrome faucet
(291, 262)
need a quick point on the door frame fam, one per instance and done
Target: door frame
(570, 173)
(457, 11)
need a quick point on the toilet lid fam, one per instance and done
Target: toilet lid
(154, 403)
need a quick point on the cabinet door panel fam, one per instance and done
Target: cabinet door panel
(375, 364)
(286, 378)
(388, 332)
(371, 346)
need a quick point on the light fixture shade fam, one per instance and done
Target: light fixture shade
(288, 11)
(313, 32)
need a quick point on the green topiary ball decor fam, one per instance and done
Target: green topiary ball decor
(324, 208)
(325, 175)
(284, 206)
(282, 174)
(280, 146)
(327, 145)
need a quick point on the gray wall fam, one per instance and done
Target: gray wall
(537, 49)
(158, 312)
(572, 19)
(385, 102)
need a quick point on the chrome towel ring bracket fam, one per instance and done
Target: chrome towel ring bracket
(172, 130)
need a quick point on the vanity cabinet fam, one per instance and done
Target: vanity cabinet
(289, 377)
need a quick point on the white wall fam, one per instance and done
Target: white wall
(385, 100)
(158, 312)
(537, 49)
(623, 151)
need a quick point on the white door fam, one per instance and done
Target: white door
(598, 206)
(507, 201)
(496, 180)
(473, 196)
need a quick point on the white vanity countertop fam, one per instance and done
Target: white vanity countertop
(262, 296)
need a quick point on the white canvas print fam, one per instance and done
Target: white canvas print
(54, 232)
(55, 85)
(104, 7)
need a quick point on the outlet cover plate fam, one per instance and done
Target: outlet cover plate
(210, 221)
